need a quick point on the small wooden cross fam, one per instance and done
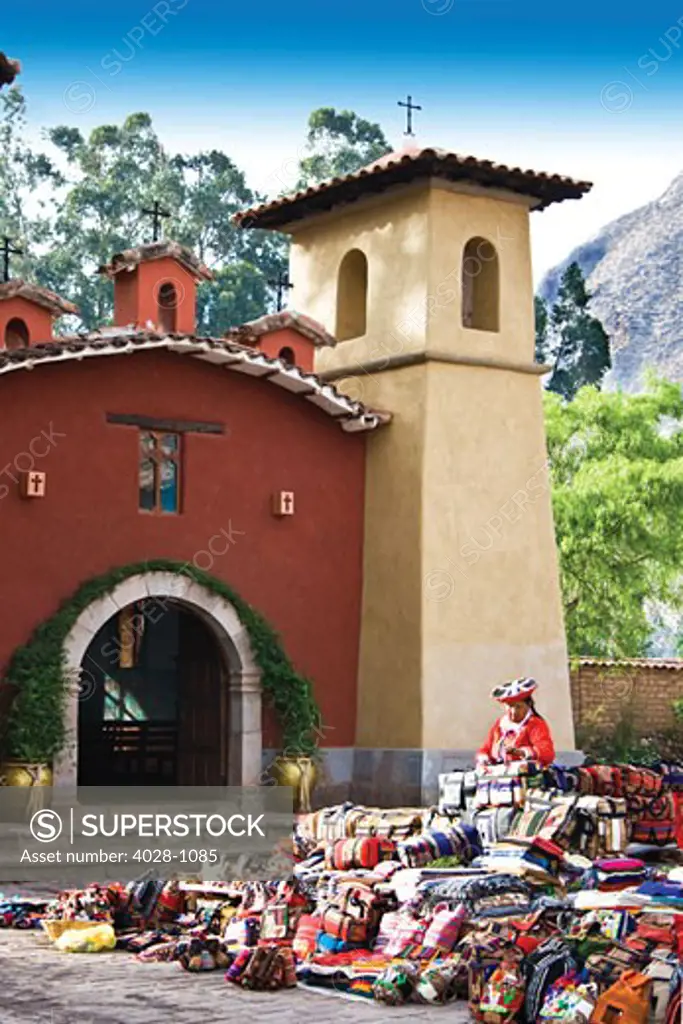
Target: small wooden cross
(156, 213)
(7, 250)
(410, 107)
(281, 284)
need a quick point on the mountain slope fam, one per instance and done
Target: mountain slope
(634, 268)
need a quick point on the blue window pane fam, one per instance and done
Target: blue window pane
(112, 700)
(120, 706)
(168, 489)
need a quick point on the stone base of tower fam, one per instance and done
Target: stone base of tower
(392, 778)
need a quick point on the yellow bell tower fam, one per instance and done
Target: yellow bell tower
(420, 265)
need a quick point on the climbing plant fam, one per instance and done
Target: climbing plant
(38, 670)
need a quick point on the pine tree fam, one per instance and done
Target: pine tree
(541, 324)
(580, 342)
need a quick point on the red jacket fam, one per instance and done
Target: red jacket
(534, 740)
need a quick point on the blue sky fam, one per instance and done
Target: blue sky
(592, 90)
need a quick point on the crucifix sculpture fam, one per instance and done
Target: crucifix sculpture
(410, 107)
(282, 284)
(7, 250)
(156, 213)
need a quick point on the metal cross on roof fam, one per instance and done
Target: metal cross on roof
(156, 213)
(410, 107)
(7, 250)
(282, 284)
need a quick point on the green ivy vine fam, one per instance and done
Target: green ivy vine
(36, 731)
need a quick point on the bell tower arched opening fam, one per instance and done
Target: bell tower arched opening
(480, 286)
(352, 296)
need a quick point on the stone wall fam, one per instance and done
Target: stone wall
(603, 691)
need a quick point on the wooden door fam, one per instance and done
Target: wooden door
(202, 726)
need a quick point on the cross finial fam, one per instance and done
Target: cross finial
(282, 284)
(410, 107)
(7, 250)
(156, 213)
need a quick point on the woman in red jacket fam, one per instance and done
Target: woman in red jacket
(521, 734)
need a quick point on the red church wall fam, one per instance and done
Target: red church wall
(136, 294)
(302, 572)
(38, 320)
(303, 350)
(126, 298)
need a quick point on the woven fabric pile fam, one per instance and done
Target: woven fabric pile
(22, 914)
(516, 894)
(593, 809)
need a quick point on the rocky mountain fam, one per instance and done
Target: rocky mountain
(634, 268)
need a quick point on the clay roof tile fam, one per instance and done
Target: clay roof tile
(413, 163)
(131, 258)
(16, 288)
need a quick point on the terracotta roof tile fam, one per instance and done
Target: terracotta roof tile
(670, 664)
(305, 325)
(352, 416)
(130, 258)
(402, 167)
(16, 288)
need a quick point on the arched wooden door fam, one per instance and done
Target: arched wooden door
(154, 702)
(202, 706)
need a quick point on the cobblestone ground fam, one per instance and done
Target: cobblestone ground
(38, 985)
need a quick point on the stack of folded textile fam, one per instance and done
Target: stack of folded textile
(669, 893)
(615, 874)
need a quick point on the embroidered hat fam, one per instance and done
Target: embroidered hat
(516, 689)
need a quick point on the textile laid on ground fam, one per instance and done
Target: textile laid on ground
(515, 894)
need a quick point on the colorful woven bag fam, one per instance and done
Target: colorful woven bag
(627, 1001)
(444, 930)
(366, 852)
(437, 983)
(407, 937)
(503, 995)
(304, 943)
(654, 819)
(396, 984)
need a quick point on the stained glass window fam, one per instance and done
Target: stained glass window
(120, 706)
(159, 472)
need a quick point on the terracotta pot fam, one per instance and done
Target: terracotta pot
(301, 773)
(23, 773)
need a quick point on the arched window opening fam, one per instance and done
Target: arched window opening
(480, 286)
(168, 307)
(16, 334)
(286, 354)
(352, 296)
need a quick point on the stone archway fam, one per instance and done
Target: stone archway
(244, 689)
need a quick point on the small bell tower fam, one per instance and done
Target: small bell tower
(27, 311)
(155, 287)
(421, 265)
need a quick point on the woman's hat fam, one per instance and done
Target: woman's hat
(516, 689)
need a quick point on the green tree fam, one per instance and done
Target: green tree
(70, 222)
(339, 143)
(110, 177)
(616, 465)
(117, 172)
(26, 181)
(580, 345)
(541, 325)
